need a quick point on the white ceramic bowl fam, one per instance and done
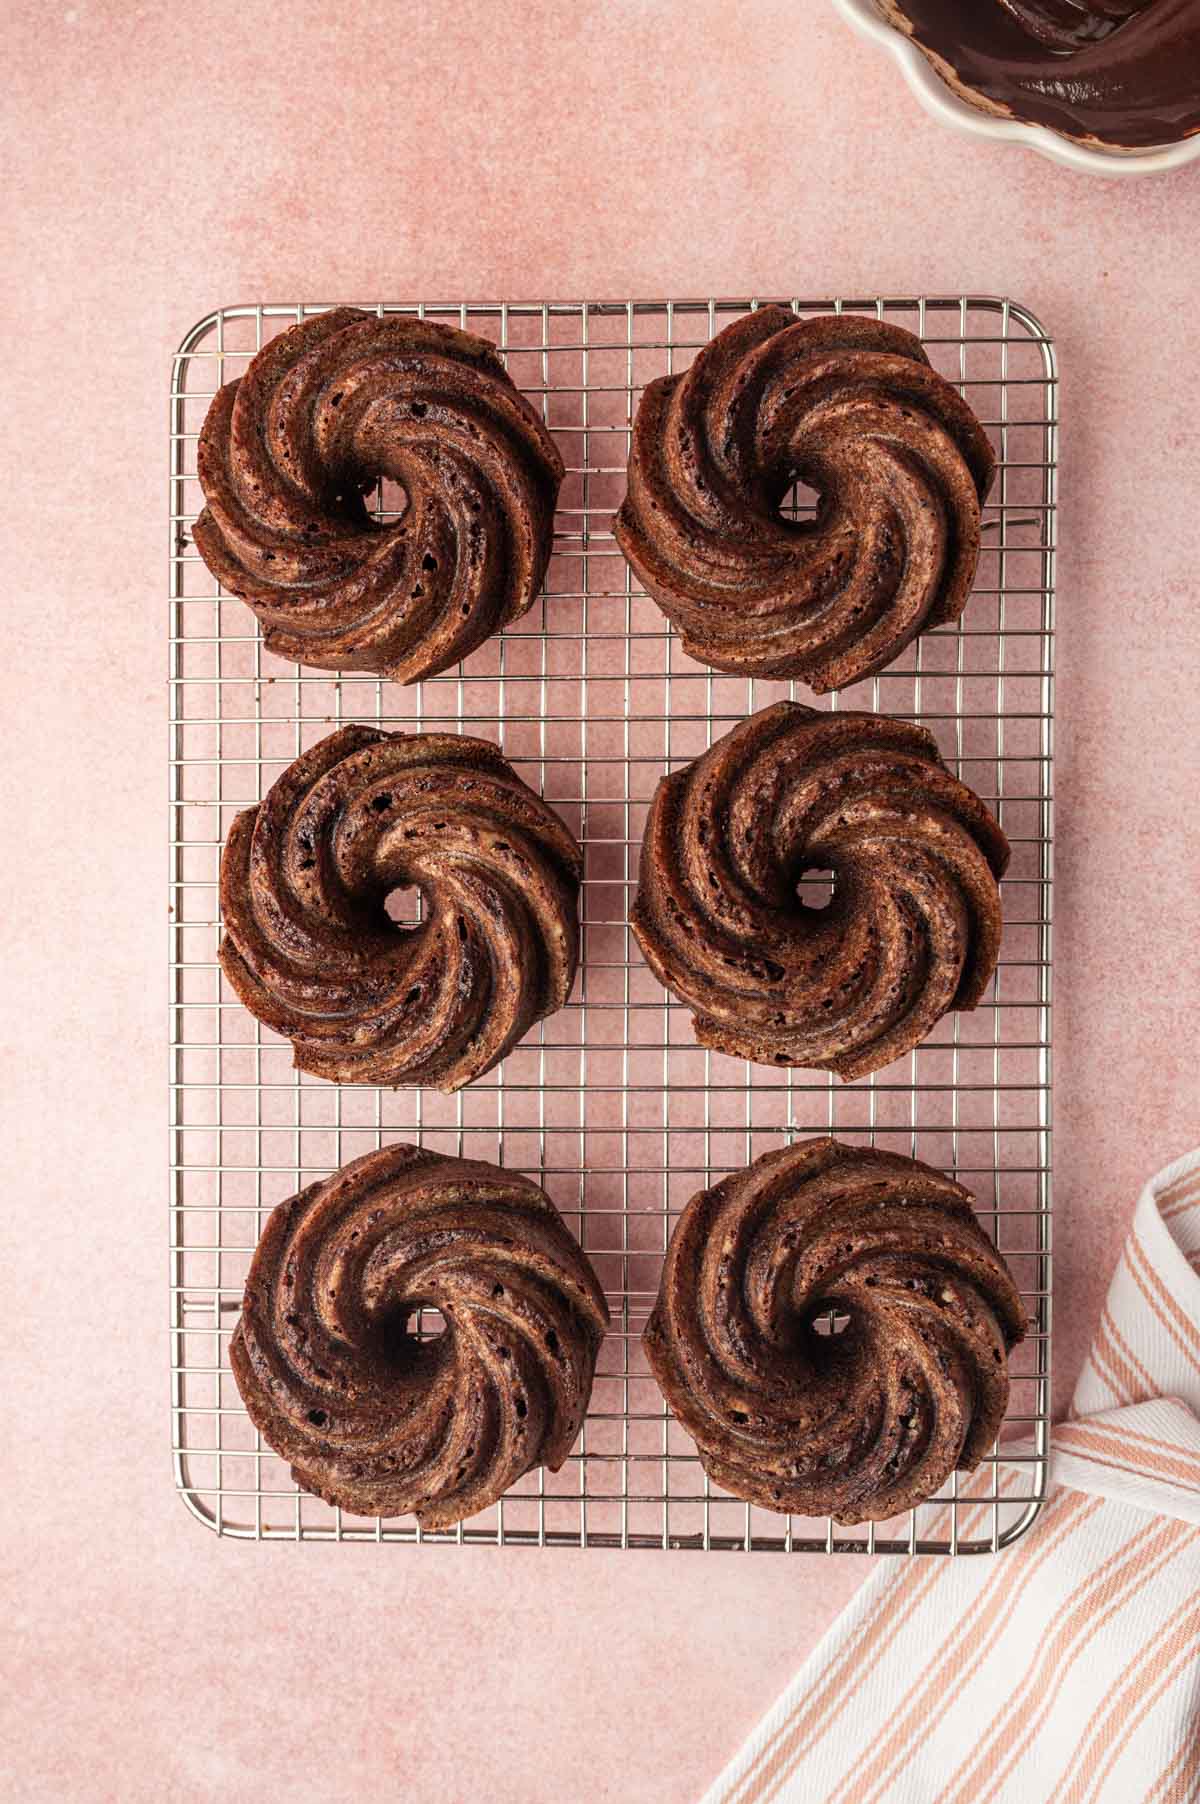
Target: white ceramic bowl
(944, 104)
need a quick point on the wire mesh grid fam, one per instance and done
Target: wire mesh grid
(610, 1103)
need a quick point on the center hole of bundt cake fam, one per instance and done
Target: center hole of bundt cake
(826, 1337)
(405, 905)
(828, 1322)
(425, 1323)
(408, 1334)
(390, 501)
(801, 502)
(815, 887)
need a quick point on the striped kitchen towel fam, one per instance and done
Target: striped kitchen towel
(1067, 1670)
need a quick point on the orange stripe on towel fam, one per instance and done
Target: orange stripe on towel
(1095, 1600)
(965, 1649)
(796, 1734)
(1127, 1701)
(1143, 1459)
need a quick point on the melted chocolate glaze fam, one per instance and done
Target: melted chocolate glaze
(1126, 72)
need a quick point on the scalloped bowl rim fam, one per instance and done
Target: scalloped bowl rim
(943, 104)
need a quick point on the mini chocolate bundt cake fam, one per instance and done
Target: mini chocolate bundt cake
(851, 407)
(375, 1419)
(861, 1424)
(288, 452)
(311, 950)
(913, 925)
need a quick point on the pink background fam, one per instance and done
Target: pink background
(156, 168)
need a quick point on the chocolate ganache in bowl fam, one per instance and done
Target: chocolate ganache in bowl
(1119, 74)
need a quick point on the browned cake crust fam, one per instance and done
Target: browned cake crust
(850, 406)
(368, 1416)
(309, 947)
(288, 452)
(858, 1425)
(913, 927)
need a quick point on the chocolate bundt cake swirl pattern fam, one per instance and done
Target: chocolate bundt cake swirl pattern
(858, 1425)
(369, 1416)
(851, 407)
(288, 452)
(309, 947)
(913, 925)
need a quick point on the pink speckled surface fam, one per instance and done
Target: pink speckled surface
(161, 160)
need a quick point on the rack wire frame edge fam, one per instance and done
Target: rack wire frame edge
(270, 1513)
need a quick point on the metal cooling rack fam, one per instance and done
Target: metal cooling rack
(610, 1103)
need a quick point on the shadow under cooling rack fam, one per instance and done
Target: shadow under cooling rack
(610, 1103)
